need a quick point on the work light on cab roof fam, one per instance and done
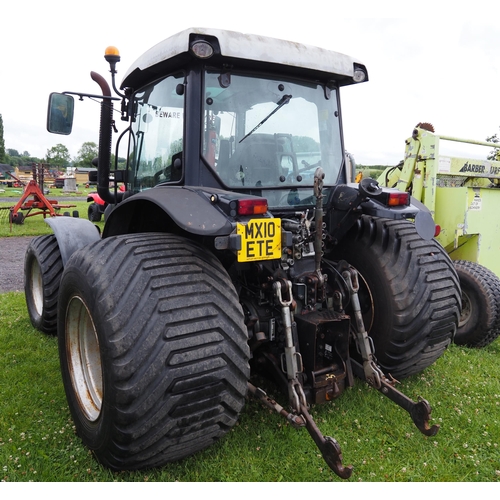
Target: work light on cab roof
(202, 49)
(359, 75)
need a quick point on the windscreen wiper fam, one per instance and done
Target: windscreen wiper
(284, 100)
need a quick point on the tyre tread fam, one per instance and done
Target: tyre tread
(489, 283)
(177, 347)
(424, 286)
(45, 249)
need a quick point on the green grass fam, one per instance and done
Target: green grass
(38, 442)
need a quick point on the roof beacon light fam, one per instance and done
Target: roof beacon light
(112, 54)
(202, 49)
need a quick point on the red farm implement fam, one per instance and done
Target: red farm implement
(33, 201)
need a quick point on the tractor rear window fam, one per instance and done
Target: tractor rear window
(271, 134)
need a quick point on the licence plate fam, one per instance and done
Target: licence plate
(260, 240)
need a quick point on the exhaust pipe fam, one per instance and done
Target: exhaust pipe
(105, 133)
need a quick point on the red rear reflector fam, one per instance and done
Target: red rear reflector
(437, 231)
(397, 199)
(252, 207)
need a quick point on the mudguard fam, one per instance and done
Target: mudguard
(95, 198)
(72, 234)
(189, 208)
(345, 196)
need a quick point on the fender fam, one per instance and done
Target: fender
(95, 198)
(72, 234)
(345, 197)
(189, 208)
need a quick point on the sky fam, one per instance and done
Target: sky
(425, 66)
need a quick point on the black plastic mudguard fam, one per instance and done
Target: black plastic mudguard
(189, 208)
(72, 234)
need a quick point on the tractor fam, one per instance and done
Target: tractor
(240, 250)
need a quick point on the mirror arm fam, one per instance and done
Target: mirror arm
(95, 96)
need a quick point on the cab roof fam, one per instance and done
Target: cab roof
(252, 49)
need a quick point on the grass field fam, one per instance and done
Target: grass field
(38, 442)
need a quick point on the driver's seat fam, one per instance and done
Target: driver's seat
(256, 161)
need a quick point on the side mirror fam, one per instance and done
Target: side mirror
(60, 113)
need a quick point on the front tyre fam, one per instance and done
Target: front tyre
(94, 213)
(43, 269)
(480, 319)
(153, 349)
(411, 294)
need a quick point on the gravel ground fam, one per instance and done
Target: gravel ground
(12, 252)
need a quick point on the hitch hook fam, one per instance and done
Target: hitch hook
(329, 447)
(419, 411)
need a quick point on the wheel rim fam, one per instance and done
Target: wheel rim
(466, 310)
(84, 358)
(36, 286)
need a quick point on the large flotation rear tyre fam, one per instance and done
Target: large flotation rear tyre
(409, 293)
(480, 319)
(43, 269)
(153, 349)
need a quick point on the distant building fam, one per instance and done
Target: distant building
(82, 175)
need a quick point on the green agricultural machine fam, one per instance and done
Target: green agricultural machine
(462, 195)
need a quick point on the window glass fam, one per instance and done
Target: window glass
(157, 134)
(270, 134)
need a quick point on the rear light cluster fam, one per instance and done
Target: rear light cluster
(397, 199)
(256, 206)
(234, 205)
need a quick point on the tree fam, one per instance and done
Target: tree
(58, 156)
(303, 144)
(495, 154)
(86, 154)
(2, 143)
(120, 164)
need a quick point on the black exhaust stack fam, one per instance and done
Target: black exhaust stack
(105, 134)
